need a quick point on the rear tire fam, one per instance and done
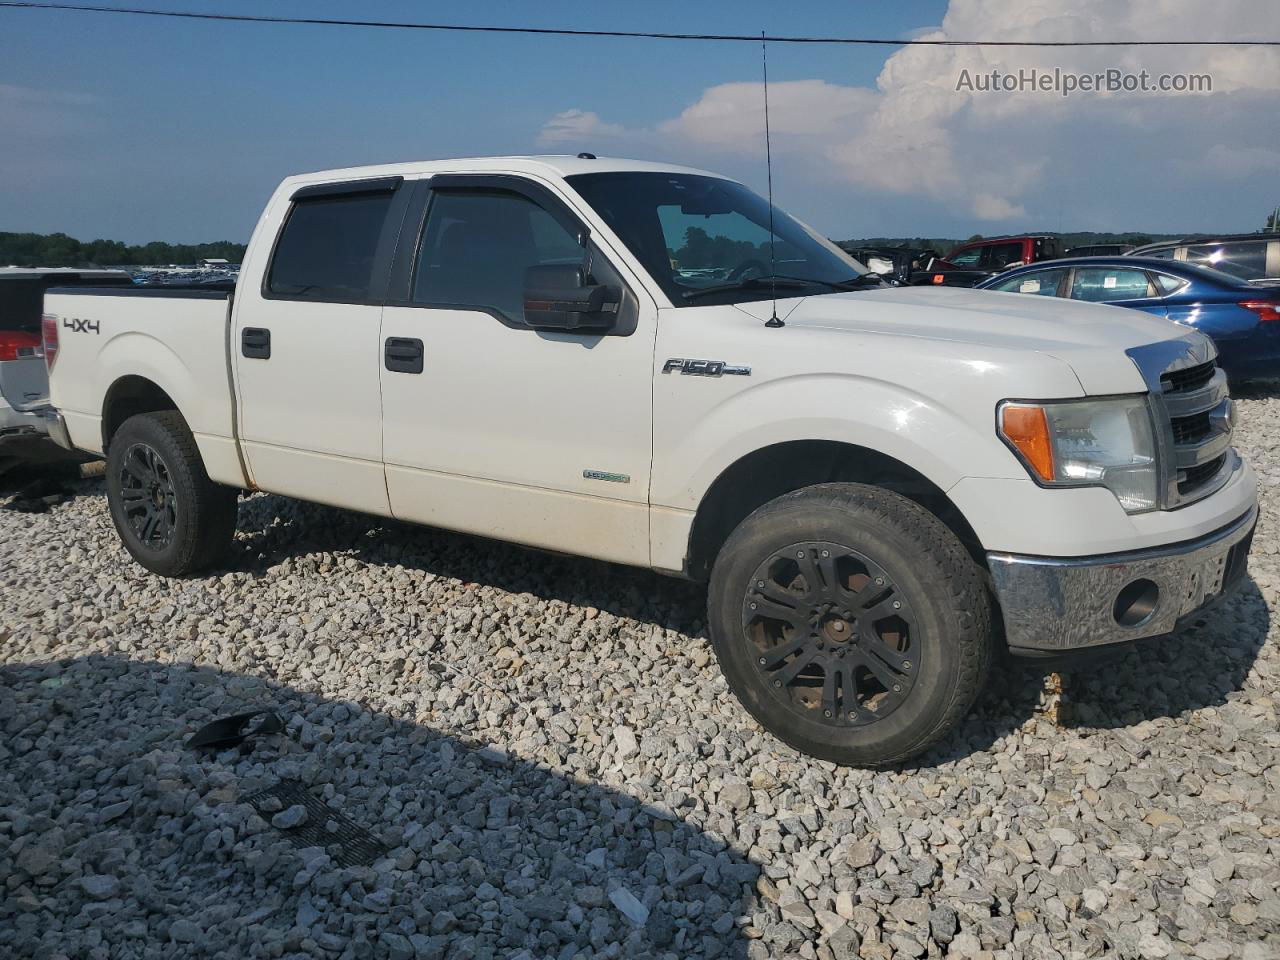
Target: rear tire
(170, 516)
(851, 623)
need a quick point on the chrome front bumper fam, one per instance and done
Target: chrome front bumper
(1055, 605)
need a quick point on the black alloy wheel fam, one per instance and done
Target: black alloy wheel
(147, 497)
(831, 633)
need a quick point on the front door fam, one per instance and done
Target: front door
(307, 350)
(538, 437)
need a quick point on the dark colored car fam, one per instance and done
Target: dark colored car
(1100, 250)
(1003, 253)
(1249, 256)
(915, 266)
(1243, 319)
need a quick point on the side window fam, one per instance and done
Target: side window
(1104, 284)
(966, 258)
(327, 246)
(478, 244)
(1042, 283)
(1166, 284)
(1246, 259)
(999, 255)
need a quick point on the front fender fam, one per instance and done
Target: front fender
(894, 420)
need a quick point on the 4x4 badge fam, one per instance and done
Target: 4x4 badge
(705, 368)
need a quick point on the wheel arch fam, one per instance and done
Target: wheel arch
(129, 396)
(781, 468)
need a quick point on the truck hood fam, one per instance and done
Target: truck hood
(1091, 338)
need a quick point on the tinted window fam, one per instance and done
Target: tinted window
(707, 240)
(1104, 284)
(1042, 283)
(327, 247)
(965, 258)
(478, 245)
(1246, 259)
(1167, 284)
(1000, 255)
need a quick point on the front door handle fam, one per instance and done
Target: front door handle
(403, 355)
(255, 342)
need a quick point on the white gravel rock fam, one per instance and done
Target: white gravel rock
(555, 768)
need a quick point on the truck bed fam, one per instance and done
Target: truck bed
(144, 338)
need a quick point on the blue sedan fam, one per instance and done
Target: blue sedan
(1242, 318)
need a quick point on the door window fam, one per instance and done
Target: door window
(327, 247)
(1041, 283)
(1246, 259)
(1167, 284)
(478, 244)
(966, 258)
(1104, 284)
(999, 255)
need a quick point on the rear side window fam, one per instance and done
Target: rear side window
(1167, 284)
(1246, 259)
(326, 249)
(1104, 284)
(478, 244)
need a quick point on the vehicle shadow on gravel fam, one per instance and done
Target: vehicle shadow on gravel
(272, 529)
(1199, 666)
(118, 840)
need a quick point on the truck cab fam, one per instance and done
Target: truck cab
(648, 364)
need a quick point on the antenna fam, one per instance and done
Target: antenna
(773, 320)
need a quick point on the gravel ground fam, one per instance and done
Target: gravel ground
(554, 767)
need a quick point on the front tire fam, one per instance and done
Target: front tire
(170, 516)
(851, 623)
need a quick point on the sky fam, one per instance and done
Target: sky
(141, 129)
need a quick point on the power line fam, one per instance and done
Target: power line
(630, 34)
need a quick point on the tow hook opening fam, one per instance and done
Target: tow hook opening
(1136, 603)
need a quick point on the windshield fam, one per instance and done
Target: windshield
(694, 233)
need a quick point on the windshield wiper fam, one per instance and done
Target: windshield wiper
(786, 283)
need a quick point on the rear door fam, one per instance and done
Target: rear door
(306, 345)
(1122, 286)
(491, 426)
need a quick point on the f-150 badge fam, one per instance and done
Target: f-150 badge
(705, 368)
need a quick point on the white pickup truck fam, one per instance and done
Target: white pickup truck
(644, 364)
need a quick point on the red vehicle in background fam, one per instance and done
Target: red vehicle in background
(1002, 253)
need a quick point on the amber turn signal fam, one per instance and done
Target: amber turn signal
(1027, 428)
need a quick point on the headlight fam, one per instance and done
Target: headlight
(1087, 443)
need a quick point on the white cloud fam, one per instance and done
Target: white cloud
(577, 126)
(998, 156)
(1224, 161)
(987, 207)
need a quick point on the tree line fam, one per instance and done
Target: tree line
(60, 250)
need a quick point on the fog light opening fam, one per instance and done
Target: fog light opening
(1136, 603)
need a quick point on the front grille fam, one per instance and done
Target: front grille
(1193, 478)
(1192, 428)
(1193, 418)
(1192, 378)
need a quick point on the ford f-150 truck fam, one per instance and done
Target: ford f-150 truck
(647, 364)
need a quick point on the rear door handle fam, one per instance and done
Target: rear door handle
(403, 355)
(255, 342)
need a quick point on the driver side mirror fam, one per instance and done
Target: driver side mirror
(558, 297)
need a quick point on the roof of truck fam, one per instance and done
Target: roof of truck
(557, 166)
